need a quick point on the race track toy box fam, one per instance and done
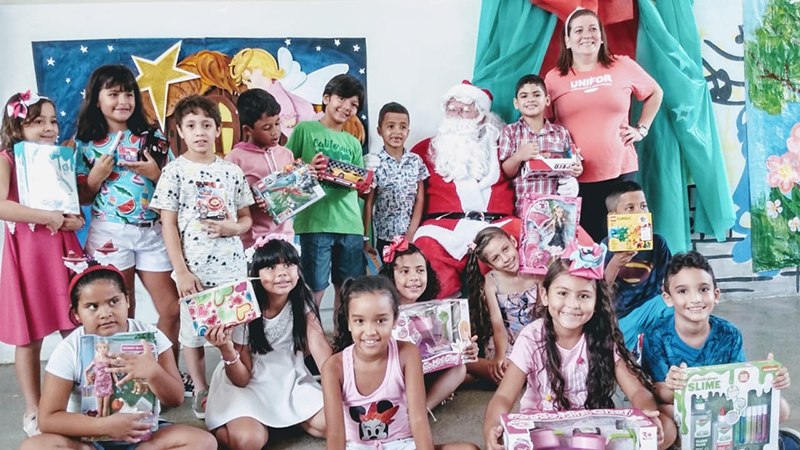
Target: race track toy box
(440, 328)
(100, 394)
(289, 191)
(585, 429)
(630, 232)
(729, 407)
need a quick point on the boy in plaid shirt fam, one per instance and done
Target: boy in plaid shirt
(533, 135)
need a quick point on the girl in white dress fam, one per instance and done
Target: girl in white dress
(262, 380)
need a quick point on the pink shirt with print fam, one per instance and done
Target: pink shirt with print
(529, 356)
(592, 105)
(256, 164)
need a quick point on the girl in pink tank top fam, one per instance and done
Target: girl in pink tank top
(373, 388)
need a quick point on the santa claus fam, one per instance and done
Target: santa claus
(467, 190)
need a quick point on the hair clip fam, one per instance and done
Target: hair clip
(18, 109)
(398, 244)
(101, 254)
(262, 241)
(586, 261)
(76, 263)
(472, 246)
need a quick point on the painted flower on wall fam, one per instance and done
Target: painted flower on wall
(793, 143)
(794, 224)
(774, 208)
(783, 171)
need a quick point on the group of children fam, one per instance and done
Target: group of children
(561, 339)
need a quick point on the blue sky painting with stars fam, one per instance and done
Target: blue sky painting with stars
(63, 67)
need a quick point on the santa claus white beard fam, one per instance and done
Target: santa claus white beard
(462, 148)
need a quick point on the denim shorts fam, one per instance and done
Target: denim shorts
(330, 255)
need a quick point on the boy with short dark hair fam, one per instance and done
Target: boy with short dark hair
(259, 155)
(692, 337)
(331, 231)
(636, 276)
(399, 194)
(204, 252)
(533, 135)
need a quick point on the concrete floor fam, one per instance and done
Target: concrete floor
(767, 325)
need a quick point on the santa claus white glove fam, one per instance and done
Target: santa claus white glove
(371, 161)
(568, 187)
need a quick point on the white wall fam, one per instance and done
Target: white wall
(416, 49)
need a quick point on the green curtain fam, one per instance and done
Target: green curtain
(684, 142)
(512, 40)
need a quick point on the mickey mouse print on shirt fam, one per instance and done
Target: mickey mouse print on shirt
(374, 421)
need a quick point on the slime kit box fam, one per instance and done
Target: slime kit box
(230, 304)
(46, 177)
(289, 191)
(585, 429)
(440, 328)
(630, 232)
(729, 406)
(100, 395)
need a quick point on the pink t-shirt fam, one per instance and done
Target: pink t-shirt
(529, 356)
(592, 105)
(257, 164)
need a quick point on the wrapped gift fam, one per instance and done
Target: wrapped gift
(584, 429)
(549, 224)
(440, 328)
(289, 191)
(46, 177)
(231, 304)
(100, 395)
(346, 174)
(210, 200)
(729, 406)
(630, 232)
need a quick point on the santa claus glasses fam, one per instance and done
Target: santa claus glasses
(456, 108)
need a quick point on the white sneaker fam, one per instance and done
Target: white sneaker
(30, 424)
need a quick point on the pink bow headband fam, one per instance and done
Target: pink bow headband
(18, 109)
(586, 261)
(398, 244)
(262, 241)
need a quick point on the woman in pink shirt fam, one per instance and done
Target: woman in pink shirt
(590, 91)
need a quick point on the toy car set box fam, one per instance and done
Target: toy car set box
(729, 407)
(346, 174)
(440, 328)
(584, 429)
(289, 191)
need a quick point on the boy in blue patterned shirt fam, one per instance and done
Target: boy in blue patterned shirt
(692, 337)
(399, 195)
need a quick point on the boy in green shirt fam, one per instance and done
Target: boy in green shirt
(331, 231)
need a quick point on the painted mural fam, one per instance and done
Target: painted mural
(772, 70)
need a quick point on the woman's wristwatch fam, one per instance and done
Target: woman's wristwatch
(642, 129)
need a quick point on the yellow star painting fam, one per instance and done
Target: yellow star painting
(156, 76)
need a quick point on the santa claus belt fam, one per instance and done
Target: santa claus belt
(471, 215)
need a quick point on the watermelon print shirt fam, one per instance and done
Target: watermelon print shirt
(124, 196)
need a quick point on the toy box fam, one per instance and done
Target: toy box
(630, 232)
(549, 224)
(729, 406)
(100, 395)
(373, 263)
(230, 304)
(210, 200)
(547, 163)
(289, 191)
(345, 174)
(585, 429)
(157, 146)
(440, 328)
(46, 177)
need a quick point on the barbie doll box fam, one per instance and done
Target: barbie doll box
(289, 191)
(549, 224)
(630, 232)
(100, 394)
(729, 406)
(585, 429)
(46, 177)
(230, 304)
(440, 328)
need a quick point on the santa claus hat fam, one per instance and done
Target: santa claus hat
(468, 91)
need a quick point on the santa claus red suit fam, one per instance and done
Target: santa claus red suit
(467, 190)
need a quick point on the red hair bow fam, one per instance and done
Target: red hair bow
(398, 244)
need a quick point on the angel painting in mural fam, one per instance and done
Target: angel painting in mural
(294, 90)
